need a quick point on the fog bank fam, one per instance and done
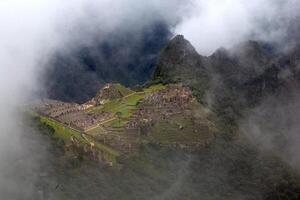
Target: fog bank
(212, 24)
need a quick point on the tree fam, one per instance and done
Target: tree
(119, 115)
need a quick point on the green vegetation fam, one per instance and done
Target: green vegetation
(178, 129)
(123, 90)
(121, 110)
(127, 105)
(118, 123)
(123, 106)
(62, 132)
(182, 129)
(154, 88)
(109, 153)
(96, 131)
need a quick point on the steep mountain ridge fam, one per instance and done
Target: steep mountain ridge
(180, 62)
(230, 80)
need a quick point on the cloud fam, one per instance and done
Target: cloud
(212, 24)
(274, 126)
(30, 32)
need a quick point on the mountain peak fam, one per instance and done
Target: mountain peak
(180, 46)
(178, 37)
(177, 56)
(180, 62)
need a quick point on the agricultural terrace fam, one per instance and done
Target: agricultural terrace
(122, 109)
(104, 135)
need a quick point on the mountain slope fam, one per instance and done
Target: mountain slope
(179, 62)
(230, 80)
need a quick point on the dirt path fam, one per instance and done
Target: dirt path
(100, 123)
(129, 95)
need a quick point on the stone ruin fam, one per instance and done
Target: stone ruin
(175, 99)
(71, 114)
